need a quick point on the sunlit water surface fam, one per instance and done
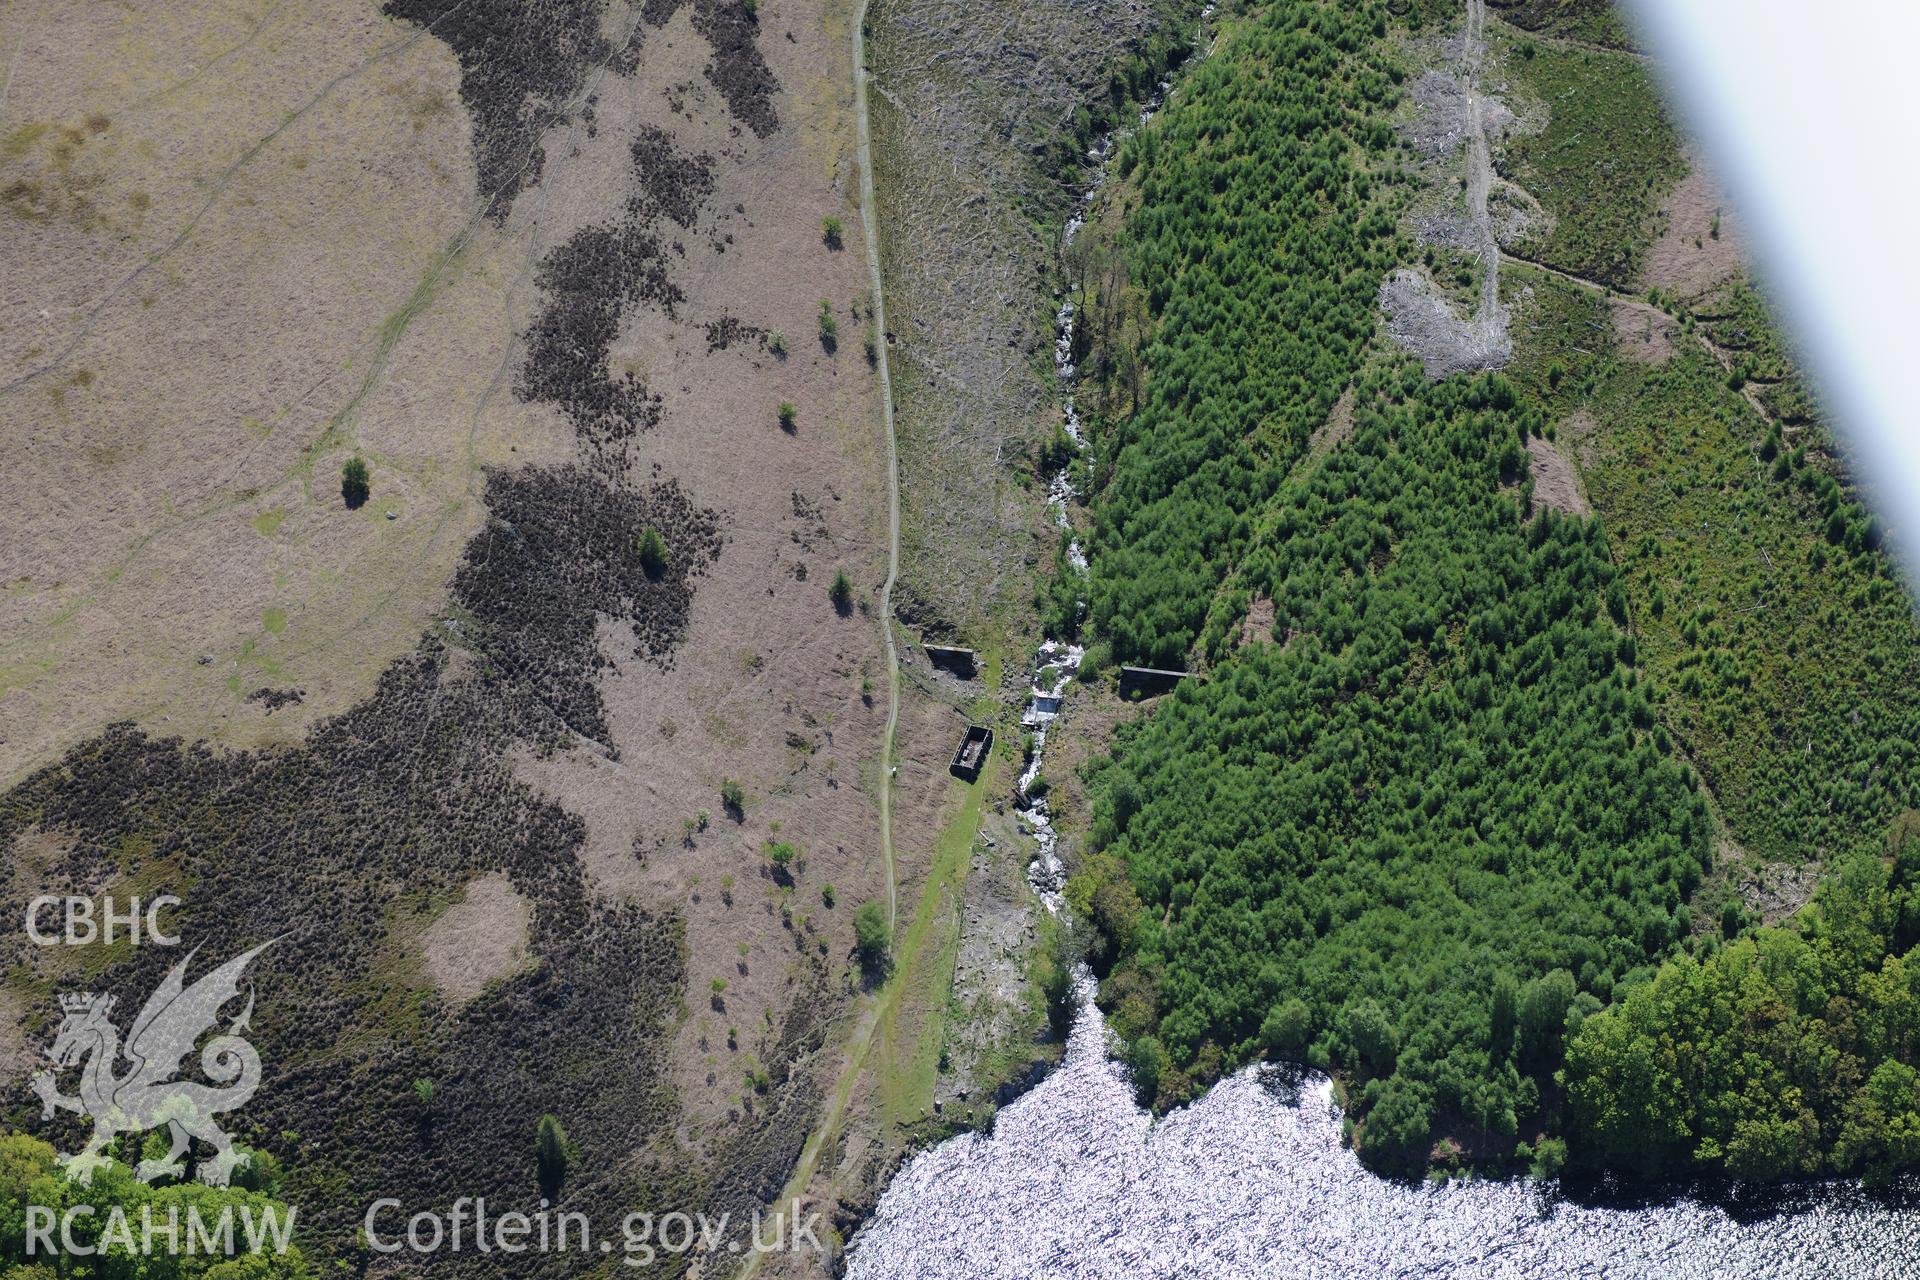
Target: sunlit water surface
(1251, 1181)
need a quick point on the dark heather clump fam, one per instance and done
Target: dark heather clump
(732, 29)
(670, 181)
(589, 281)
(729, 329)
(328, 849)
(561, 551)
(521, 61)
(274, 699)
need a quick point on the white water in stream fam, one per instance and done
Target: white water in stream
(1057, 662)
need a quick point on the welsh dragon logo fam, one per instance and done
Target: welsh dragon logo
(148, 1096)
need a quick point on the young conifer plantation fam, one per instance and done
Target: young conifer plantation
(1428, 831)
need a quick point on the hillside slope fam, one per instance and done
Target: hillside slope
(510, 824)
(1503, 699)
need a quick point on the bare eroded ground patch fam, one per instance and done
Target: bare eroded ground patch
(1645, 333)
(1556, 484)
(1331, 434)
(1702, 240)
(479, 939)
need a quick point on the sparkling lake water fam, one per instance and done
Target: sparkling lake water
(1075, 1182)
